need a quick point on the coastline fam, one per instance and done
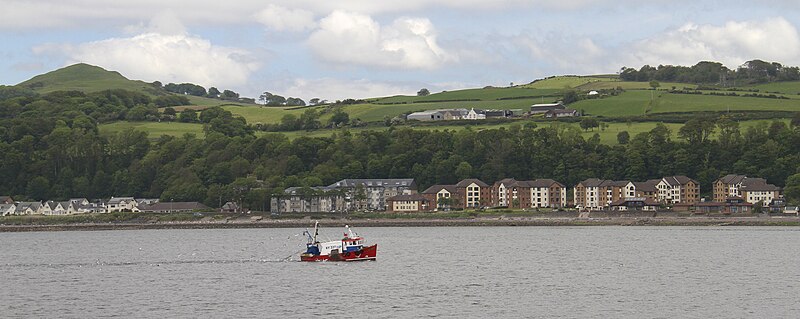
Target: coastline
(401, 222)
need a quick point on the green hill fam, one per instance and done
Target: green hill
(87, 78)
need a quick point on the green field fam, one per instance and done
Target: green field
(792, 87)
(637, 102)
(484, 94)
(562, 82)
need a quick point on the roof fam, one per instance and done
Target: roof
(412, 197)
(591, 182)
(468, 181)
(505, 181)
(385, 182)
(758, 185)
(678, 180)
(732, 179)
(648, 186)
(117, 200)
(173, 206)
(562, 111)
(543, 182)
(437, 188)
(6, 199)
(546, 105)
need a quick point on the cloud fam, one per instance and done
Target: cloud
(357, 39)
(166, 58)
(339, 89)
(731, 44)
(284, 19)
(42, 14)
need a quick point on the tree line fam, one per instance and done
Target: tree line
(755, 71)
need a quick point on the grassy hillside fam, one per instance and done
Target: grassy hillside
(87, 78)
(484, 94)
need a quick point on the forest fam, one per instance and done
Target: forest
(52, 150)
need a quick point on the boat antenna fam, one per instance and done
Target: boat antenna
(316, 230)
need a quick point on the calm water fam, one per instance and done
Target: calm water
(482, 272)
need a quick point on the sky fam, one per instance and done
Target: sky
(366, 48)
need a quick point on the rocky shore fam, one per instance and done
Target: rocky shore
(403, 222)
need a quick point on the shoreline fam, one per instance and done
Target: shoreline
(398, 222)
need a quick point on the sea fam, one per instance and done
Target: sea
(421, 272)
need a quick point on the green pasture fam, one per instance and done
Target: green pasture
(562, 82)
(792, 87)
(484, 94)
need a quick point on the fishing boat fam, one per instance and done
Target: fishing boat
(349, 248)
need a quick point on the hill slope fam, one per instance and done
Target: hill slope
(87, 78)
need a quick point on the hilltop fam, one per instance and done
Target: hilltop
(90, 78)
(87, 78)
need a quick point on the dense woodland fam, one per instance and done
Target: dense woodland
(52, 150)
(755, 71)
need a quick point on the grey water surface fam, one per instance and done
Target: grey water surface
(444, 272)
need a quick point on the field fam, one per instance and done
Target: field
(485, 94)
(782, 87)
(638, 102)
(562, 82)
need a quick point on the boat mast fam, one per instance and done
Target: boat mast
(316, 230)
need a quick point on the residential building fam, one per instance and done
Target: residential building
(678, 189)
(6, 200)
(28, 208)
(344, 195)
(233, 207)
(473, 193)
(412, 203)
(586, 195)
(547, 193)
(727, 186)
(757, 190)
(8, 209)
(475, 115)
(647, 189)
(115, 204)
(371, 194)
(596, 194)
(321, 199)
(441, 197)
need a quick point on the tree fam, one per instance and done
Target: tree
(423, 92)
(589, 123)
(696, 131)
(570, 96)
(213, 92)
(38, 188)
(310, 119)
(463, 170)
(293, 101)
(188, 116)
(796, 120)
(623, 137)
(654, 84)
(170, 111)
(313, 101)
(792, 189)
(339, 118)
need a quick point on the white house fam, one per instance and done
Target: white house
(8, 209)
(121, 204)
(473, 115)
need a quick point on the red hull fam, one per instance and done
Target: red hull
(366, 253)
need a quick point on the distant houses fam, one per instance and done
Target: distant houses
(461, 114)
(84, 206)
